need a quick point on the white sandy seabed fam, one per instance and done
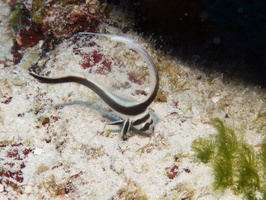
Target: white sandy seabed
(56, 144)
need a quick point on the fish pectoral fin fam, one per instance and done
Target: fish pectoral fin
(125, 129)
(117, 122)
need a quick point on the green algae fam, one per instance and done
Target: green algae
(235, 164)
(247, 177)
(263, 162)
(204, 149)
(226, 147)
(15, 17)
(38, 8)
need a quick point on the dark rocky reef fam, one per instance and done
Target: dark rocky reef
(225, 36)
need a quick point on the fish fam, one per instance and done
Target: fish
(136, 115)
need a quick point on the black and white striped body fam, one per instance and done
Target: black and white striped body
(135, 114)
(143, 122)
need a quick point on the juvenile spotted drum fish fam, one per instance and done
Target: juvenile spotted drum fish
(136, 115)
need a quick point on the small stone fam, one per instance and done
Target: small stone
(28, 189)
(38, 151)
(17, 82)
(216, 98)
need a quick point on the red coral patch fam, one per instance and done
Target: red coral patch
(13, 169)
(133, 79)
(7, 101)
(96, 62)
(172, 172)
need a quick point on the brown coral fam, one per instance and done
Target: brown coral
(64, 21)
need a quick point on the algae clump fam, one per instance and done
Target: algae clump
(235, 164)
(204, 149)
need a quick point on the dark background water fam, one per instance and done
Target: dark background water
(228, 36)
